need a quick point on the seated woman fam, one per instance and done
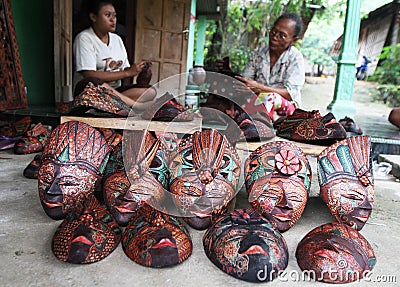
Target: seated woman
(276, 71)
(101, 58)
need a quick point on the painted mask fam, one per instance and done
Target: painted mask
(156, 239)
(346, 182)
(73, 160)
(335, 253)
(95, 99)
(204, 177)
(87, 234)
(246, 246)
(145, 179)
(167, 108)
(311, 127)
(278, 179)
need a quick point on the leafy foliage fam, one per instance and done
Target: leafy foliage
(387, 75)
(315, 47)
(245, 27)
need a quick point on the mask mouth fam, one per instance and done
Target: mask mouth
(52, 204)
(255, 250)
(200, 214)
(82, 239)
(164, 242)
(361, 218)
(281, 217)
(123, 209)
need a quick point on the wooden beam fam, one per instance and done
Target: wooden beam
(137, 123)
(308, 149)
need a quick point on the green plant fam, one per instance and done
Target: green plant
(244, 27)
(387, 75)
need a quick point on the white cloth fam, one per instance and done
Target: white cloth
(91, 54)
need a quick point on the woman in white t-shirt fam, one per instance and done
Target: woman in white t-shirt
(101, 57)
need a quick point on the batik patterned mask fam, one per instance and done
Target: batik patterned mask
(73, 160)
(335, 253)
(346, 182)
(100, 99)
(145, 179)
(246, 246)
(311, 127)
(156, 239)
(278, 179)
(204, 176)
(87, 234)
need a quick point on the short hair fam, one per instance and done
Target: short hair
(295, 18)
(94, 6)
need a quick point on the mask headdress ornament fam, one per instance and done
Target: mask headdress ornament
(88, 234)
(346, 182)
(72, 162)
(204, 176)
(246, 246)
(155, 239)
(335, 253)
(144, 179)
(278, 179)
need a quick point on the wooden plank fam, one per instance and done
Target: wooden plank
(308, 149)
(137, 123)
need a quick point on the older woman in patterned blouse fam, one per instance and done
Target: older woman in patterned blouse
(276, 71)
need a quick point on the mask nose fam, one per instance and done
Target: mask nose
(55, 189)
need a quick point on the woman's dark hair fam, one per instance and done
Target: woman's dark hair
(294, 17)
(94, 6)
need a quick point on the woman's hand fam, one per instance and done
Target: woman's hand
(135, 69)
(253, 85)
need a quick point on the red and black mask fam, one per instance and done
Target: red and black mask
(87, 234)
(278, 179)
(246, 246)
(204, 176)
(145, 179)
(155, 239)
(73, 160)
(311, 127)
(346, 182)
(335, 253)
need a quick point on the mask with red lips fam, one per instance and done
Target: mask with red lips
(335, 253)
(246, 246)
(346, 182)
(278, 179)
(145, 180)
(155, 239)
(88, 234)
(73, 160)
(204, 175)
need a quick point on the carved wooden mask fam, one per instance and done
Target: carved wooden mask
(246, 246)
(87, 234)
(204, 175)
(346, 182)
(278, 179)
(155, 239)
(145, 179)
(311, 127)
(73, 160)
(335, 253)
